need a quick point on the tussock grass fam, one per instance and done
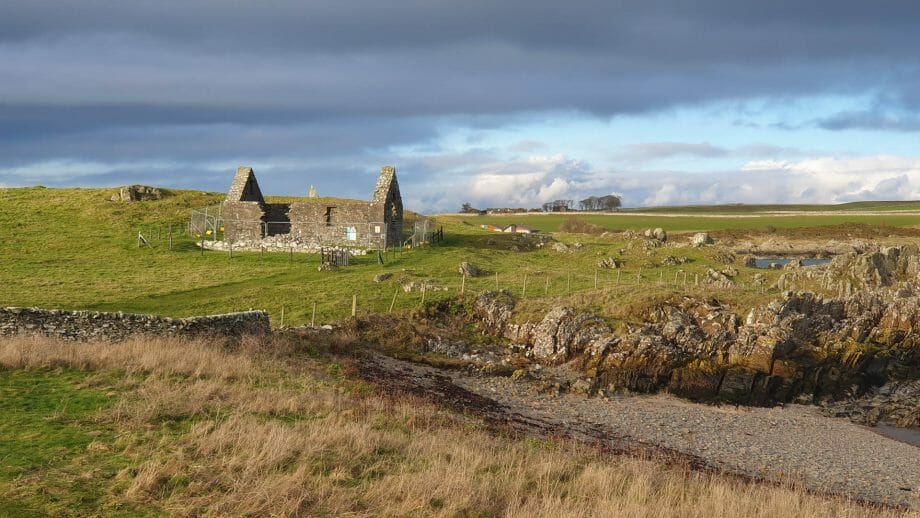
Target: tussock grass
(262, 431)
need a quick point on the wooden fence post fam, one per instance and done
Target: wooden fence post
(354, 305)
(393, 302)
(282, 316)
(462, 284)
(524, 289)
(313, 318)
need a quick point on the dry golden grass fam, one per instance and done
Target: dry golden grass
(260, 431)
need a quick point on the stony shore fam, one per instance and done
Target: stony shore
(795, 444)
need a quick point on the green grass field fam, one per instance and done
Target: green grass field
(74, 249)
(692, 223)
(739, 208)
(48, 427)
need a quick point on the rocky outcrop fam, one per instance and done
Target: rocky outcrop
(563, 332)
(881, 267)
(137, 193)
(494, 310)
(896, 402)
(803, 347)
(806, 248)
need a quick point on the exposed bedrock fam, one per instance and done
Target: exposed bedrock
(802, 347)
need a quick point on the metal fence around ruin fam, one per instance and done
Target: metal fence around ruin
(208, 223)
(423, 231)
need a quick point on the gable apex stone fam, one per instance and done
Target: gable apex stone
(245, 187)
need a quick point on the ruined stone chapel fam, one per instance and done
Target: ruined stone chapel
(314, 222)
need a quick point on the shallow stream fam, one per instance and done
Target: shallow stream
(765, 262)
(908, 435)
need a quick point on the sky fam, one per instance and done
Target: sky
(497, 104)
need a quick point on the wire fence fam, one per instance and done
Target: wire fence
(322, 301)
(577, 288)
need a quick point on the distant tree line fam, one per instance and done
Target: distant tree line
(591, 203)
(609, 202)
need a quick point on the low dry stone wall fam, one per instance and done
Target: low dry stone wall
(95, 325)
(278, 244)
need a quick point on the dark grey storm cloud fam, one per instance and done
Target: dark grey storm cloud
(323, 84)
(424, 57)
(870, 120)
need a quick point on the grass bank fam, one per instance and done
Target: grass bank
(187, 428)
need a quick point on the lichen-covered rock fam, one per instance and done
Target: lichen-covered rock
(881, 267)
(674, 261)
(609, 263)
(718, 279)
(469, 270)
(730, 272)
(422, 285)
(494, 309)
(658, 234)
(564, 332)
(701, 239)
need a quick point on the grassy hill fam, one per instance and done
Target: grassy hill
(75, 249)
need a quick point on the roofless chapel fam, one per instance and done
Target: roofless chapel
(313, 222)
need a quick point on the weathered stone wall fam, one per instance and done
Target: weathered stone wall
(242, 220)
(387, 201)
(95, 325)
(311, 225)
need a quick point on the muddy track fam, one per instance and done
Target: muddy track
(574, 419)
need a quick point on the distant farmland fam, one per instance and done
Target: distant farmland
(688, 219)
